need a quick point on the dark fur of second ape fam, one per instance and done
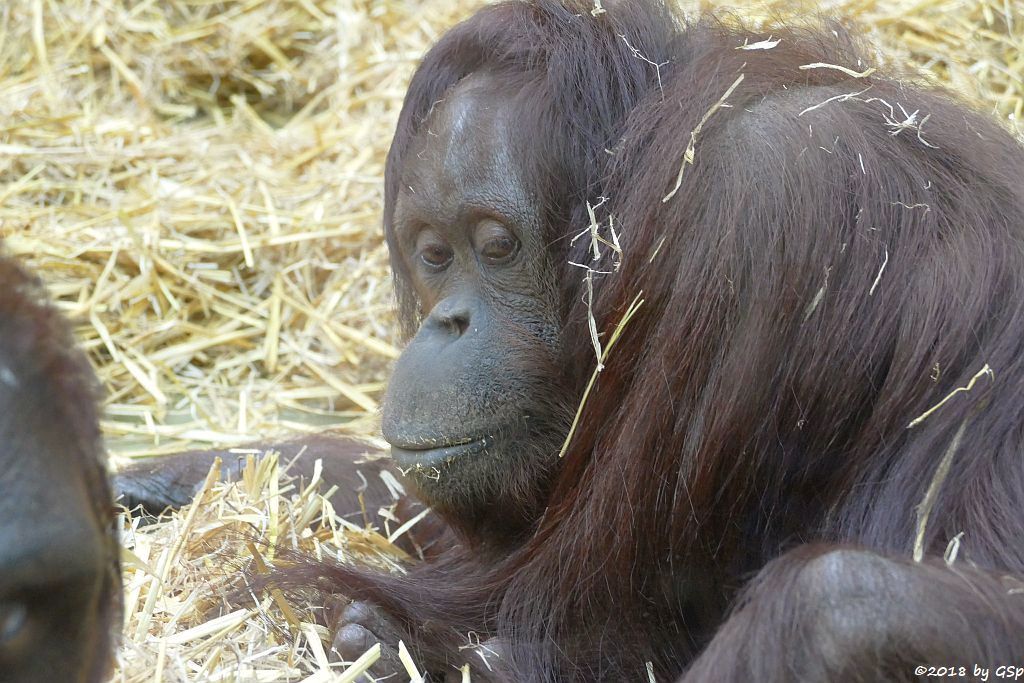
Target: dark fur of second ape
(60, 588)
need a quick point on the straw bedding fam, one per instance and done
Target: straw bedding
(198, 182)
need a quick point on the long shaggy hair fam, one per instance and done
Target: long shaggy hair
(843, 251)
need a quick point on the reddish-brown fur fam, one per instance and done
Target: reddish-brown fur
(823, 276)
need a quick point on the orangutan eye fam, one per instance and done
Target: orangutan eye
(433, 250)
(13, 622)
(495, 243)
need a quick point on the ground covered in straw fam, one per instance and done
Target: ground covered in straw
(199, 185)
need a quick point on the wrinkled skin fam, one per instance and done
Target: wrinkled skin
(475, 412)
(476, 408)
(58, 559)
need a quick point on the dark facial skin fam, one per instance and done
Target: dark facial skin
(478, 405)
(55, 555)
(475, 412)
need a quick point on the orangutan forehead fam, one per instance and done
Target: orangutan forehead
(476, 115)
(471, 142)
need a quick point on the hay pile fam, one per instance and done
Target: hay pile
(199, 184)
(183, 576)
